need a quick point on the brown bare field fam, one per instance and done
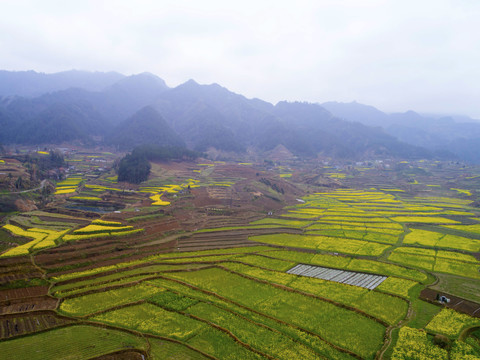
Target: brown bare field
(22, 293)
(122, 355)
(457, 303)
(18, 325)
(25, 305)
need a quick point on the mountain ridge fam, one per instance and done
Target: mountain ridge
(443, 133)
(203, 116)
(31, 83)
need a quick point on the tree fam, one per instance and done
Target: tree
(133, 169)
(19, 183)
(56, 159)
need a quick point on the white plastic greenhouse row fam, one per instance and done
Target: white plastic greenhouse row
(367, 281)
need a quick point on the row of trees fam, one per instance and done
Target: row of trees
(165, 153)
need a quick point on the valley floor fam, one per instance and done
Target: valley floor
(247, 261)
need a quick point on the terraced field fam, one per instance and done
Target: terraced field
(337, 275)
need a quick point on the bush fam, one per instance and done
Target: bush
(442, 341)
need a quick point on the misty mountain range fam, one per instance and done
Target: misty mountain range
(126, 111)
(459, 135)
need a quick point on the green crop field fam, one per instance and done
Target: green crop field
(72, 342)
(325, 243)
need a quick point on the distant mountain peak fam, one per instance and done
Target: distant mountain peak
(147, 73)
(146, 126)
(190, 82)
(143, 79)
(354, 111)
(411, 112)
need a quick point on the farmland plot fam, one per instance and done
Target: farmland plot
(414, 344)
(309, 340)
(389, 309)
(360, 271)
(450, 322)
(293, 308)
(473, 229)
(348, 263)
(72, 342)
(437, 261)
(324, 243)
(152, 319)
(89, 304)
(260, 337)
(397, 286)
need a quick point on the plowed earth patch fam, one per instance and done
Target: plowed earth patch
(12, 294)
(457, 303)
(28, 305)
(17, 325)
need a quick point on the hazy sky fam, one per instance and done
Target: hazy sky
(394, 54)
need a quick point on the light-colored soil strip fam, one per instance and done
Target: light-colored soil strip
(367, 281)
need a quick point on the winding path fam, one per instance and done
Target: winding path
(388, 333)
(42, 185)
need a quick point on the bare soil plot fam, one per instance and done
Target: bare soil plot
(22, 293)
(17, 325)
(28, 305)
(457, 303)
(122, 355)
